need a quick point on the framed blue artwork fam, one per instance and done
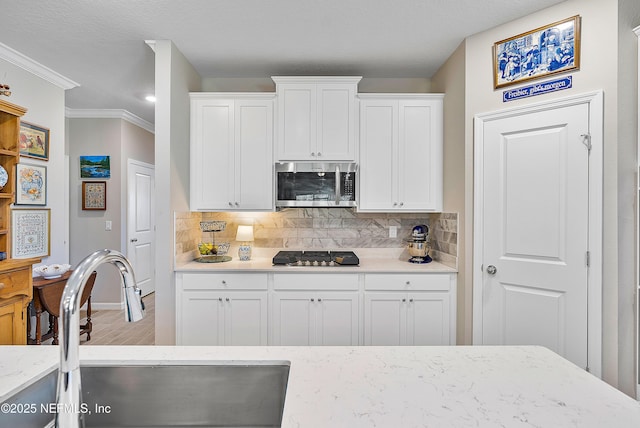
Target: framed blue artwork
(95, 167)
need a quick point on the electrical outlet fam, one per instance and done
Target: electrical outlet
(107, 225)
(393, 231)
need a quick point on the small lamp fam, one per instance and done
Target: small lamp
(245, 236)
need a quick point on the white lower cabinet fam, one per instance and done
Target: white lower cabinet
(315, 309)
(315, 318)
(212, 311)
(398, 312)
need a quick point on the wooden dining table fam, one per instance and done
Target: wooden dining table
(47, 294)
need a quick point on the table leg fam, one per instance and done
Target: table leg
(55, 331)
(38, 326)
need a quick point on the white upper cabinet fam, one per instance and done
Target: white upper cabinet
(231, 151)
(317, 118)
(401, 144)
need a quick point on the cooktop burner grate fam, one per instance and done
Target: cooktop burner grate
(316, 258)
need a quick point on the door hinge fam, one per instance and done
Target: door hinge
(587, 258)
(586, 140)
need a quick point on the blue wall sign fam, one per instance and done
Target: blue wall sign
(537, 89)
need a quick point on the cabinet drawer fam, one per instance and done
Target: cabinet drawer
(224, 281)
(315, 281)
(407, 282)
(15, 282)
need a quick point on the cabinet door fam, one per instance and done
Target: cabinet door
(245, 318)
(212, 154)
(336, 317)
(420, 155)
(202, 321)
(296, 122)
(378, 154)
(336, 122)
(385, 319)
(253, 155)
(428, 319)
(291, 317)
(13, 329)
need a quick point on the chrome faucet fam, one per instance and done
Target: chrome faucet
(70, 409)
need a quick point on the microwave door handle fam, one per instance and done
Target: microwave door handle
(338, 185)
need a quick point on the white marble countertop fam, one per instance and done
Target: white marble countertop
(371, 261)
(354, 387)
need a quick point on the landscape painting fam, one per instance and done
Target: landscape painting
(95, 167)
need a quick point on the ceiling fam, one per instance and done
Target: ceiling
(101, 44)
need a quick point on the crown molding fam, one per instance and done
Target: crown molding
(16, 58)
(109, 114)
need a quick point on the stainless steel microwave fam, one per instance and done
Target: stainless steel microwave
(316, 184)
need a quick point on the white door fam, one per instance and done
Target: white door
(336, 122)
(292, 319)
(141, 224)
(535, 229)
(428, 319)
(336, 318)
(385, 319)
(246, 318)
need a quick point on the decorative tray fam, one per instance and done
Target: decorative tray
(213, 259)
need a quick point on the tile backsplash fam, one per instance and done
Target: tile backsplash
(322, 228)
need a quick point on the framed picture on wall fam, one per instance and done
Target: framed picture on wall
(34, 141)
(31, 184)
(94, 195)
(30, 233)
(95, 167)
(554, 48)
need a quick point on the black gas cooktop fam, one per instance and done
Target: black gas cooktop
(316, 258)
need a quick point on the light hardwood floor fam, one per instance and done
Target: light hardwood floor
(110, 327)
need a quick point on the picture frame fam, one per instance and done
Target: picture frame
(31, 184)
(94, 195)
(95, 167)
(547, 50)
(33, 141)
(30, 233)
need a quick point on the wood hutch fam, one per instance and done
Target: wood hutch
(15, 275)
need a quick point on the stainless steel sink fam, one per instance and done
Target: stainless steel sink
(164, 396)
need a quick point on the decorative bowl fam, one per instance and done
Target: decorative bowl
(213, 225)
(51, 271)
(223, 248)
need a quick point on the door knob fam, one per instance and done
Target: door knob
(134, 240)
(491, 270)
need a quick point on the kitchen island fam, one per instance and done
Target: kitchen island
(517, 386)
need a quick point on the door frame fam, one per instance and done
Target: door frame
(594, 100)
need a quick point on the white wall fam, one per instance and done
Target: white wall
(174, 78)
(450, 79)
(45, 107)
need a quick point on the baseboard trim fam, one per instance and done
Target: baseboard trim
(107, 306)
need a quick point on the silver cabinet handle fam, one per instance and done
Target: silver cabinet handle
(224, 282)
(319, 154)
(408, 283)
(395, 204)
(134, 240)
(230, 204)
(313, 154)
(404, 300)
(313, 300)
(237, 204)
(227, 299)
(491, 270)
(319, 300)
(220, 299)
(401, 203)
(410, 300)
